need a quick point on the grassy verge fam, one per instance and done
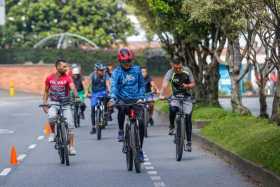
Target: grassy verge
(249, 137)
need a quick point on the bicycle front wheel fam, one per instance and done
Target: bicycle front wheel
(64, 133)
(136, 148)
(128, 152)
(179, 138)
(60, 147)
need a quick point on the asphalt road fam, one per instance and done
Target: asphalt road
(99, 163)
(250, 102)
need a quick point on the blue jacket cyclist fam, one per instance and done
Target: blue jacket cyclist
(128, 86)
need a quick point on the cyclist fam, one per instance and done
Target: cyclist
(150, 88)
(99, 83)
(80, 85)
(182, 81)
(128, 87)
(57, 89)
(109, 72)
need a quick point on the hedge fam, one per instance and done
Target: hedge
(157, 64)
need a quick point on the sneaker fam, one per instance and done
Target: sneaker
(93, 130)
(141, 156)
(189, 147)
(72, 151)
(151, 121)
(121, 136)
(171, 131)
(51, 137)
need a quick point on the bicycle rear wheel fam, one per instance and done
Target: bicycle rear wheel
(179, 138)
(98, 124)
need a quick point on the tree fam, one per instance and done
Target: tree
(102, 21)
(186, 39)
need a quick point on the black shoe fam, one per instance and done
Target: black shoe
(82, 115)
(151, 121)
(93, 130)
(171, 131)
(121, 136)
(189, 147)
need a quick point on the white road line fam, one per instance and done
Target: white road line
(5, 172)
(147, 163)
(21, 157)
(32, 146)
(152, 172)
(149, 167)
(155, 178)
(146, 159)
(40, 137)
(159, 184)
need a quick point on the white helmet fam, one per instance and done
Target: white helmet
(76, 71)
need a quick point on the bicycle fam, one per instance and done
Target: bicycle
(150, 98)
(131, 145)
(77, 112)
(100, 116)
(62, 132)
(185, 107)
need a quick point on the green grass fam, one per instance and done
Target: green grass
(249, 137)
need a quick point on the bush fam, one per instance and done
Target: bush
(85, 58)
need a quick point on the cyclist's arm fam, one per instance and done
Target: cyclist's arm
(108, 86)
(192, 82)
(46, 94)
(165, 82)
(85, 86)
(154, 86)
(73, 88)
(114, 85)
(141, 85)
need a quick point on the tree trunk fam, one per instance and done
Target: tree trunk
(213, 85)
(276, 102)
(234, 71)
(262, 100)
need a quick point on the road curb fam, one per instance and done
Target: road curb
(253, 171)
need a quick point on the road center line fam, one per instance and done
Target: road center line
(5, 172)
(159, 184)
(147, 163)
(155, 178)
(32, 146)
(152, 172)
(40, 137)
(149, 167)
(21, 157)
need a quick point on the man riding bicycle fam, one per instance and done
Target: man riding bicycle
(128, 87)
(99, 83)
(150, 89)
(182, 81)
(80, 85)
(57, 89)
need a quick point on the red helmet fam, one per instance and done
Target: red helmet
(125, 55)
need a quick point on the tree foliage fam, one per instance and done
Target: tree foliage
(102, 21)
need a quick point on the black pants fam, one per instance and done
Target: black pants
(172, 115)
(123, 111)
(83, 107)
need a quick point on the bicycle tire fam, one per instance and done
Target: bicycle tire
(64, 134)
(128, 154)
(76, 116)
(146, 122)
(60, 146)
(179, 140)
(136, 148)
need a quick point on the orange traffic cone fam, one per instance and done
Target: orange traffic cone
(47, 129)
(13, 159)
